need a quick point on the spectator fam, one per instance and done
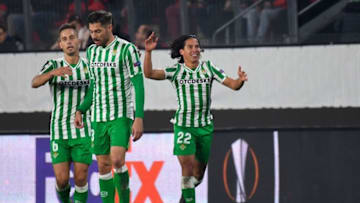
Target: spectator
(7, 43)
(44, 14)
(261, 21)
(3, 12)
(82, 30)
(173, 19)
(141, 35)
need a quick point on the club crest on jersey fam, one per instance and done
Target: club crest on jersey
(203, 70)
(55, 154)
(86, 70)
(182, 147)
(114, 51)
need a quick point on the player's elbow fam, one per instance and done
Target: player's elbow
(34, 84)
(238, 86)
(147, 74)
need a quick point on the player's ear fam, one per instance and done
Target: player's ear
(181, 52)
(59, 43)
(110, 27)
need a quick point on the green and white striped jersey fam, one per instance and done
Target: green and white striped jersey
(67, 93)
(111, 68)
(193, 88)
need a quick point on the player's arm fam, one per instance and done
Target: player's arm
(236, 84)
(44, 77)
(149, 72)
(132, 62)
(84, 106)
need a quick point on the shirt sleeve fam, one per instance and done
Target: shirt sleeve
(47, 67)
(218, 73)
(87, 102)
(132, 61)
(170, 71)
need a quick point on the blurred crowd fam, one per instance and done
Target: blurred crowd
(259, 23)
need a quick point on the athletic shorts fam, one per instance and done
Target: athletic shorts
(71, 150)
(111, 133)
(189, 141)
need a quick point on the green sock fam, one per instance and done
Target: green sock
(121, 182)
(188, 189)
(64, 194)
(81, 194)
(107, 189)
(189, 195)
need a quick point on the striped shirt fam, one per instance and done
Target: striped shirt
(193, 89)
(67, 93)
(112, 68)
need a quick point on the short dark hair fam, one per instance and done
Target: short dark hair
(100, 16)
(67, 26)
(178, 44)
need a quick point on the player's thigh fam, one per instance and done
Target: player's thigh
(187, 164)
(62, 171)
(184, 141)
(81, 150)
(60, 151)
(120, 131)
(100, 138)
(204, 137)
(80, 173)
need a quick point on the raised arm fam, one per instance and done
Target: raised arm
(149, 72)
(41, 79)
(236, 84)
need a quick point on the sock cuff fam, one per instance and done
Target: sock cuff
(122, 169)
(187, 182)
(82, 189)
(107, 176)
(195, 180)
(62, 189)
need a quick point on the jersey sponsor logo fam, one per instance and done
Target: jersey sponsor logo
(103, 65)
(195, 81)
(74, 84)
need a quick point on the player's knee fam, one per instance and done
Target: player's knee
(104, 167)
(187, 167)
(80, 179)
(118, 163)
(62, 181)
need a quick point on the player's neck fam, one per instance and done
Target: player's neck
(74, 59)
(191, 64)
(111, 39)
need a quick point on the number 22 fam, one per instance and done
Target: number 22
(183, 138)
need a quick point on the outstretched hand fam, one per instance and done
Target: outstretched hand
(151, 42)
(242, 75)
